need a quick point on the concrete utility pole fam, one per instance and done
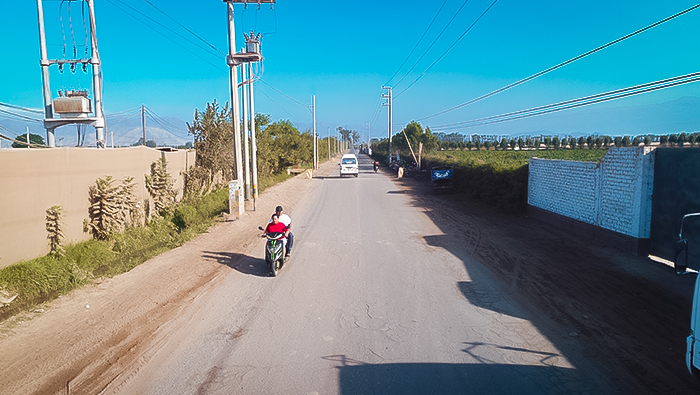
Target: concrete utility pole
(254, 147)
(73, 107)
(388, 96)
(313, 110)
(246, 155)
(252, 54)
(143, 123)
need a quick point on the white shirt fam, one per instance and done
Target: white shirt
(285, 219)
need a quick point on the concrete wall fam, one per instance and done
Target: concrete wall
(32, 180)
(614, 195)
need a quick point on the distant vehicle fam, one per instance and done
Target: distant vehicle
(692, 355)
(349, 165)
(441, 178)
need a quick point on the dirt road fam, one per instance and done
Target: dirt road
(629, 315)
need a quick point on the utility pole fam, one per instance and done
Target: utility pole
(143, 123)
(254, 147)
(252, 54)
(234, 187)
(246, 155)
(388, 96)
(329, 143)
(313, 110)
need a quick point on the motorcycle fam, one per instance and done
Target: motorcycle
(376, 166)
(274, 251)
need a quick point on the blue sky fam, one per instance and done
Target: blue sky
(343, 52)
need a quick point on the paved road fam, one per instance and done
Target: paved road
(371, 302)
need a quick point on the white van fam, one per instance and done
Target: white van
(349, 165)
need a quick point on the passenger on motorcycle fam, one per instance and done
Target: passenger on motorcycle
(287, 221)
(275, 226)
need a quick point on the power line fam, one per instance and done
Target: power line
(418, 43)
(433, 43)
(285, 95)
(277, 104)
(584, 101)
(26, 118)
(448, 49)
(561, 64)
(162, 34)
(184, 27)
(33, 110)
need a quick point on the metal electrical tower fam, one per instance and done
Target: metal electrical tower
(72, 107)
(389, 103)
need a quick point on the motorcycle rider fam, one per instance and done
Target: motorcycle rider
(376, 165)
(287, 221)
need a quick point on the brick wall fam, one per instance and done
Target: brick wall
(614, 194)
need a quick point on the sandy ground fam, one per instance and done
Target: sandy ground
(629, 314)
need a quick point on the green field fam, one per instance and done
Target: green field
(500, 178)
(511, 160)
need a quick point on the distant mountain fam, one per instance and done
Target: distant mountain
(170, 132)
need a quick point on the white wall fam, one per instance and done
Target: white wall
(614, 194)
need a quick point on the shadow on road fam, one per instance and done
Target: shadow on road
(243, 263)
(621, 318)
(452, 378)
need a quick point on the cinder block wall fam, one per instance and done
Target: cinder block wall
(33, 180)
(614, 194)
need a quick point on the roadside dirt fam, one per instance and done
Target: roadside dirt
(630, 315)
(82, 341)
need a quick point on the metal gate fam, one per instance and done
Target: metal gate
(676, 193)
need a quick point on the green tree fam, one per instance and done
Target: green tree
(663, 140)
(636, 141)
(504, 144)
(682, 139)
(213, 142)
(590, 140)
(607, 140)
(21, 140)
(547, 142)
(555, 142)
(647, 141)
(618, 141)
(625, 141)
(598, 142)
(581, 142)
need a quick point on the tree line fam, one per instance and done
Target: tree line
(279, 145)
